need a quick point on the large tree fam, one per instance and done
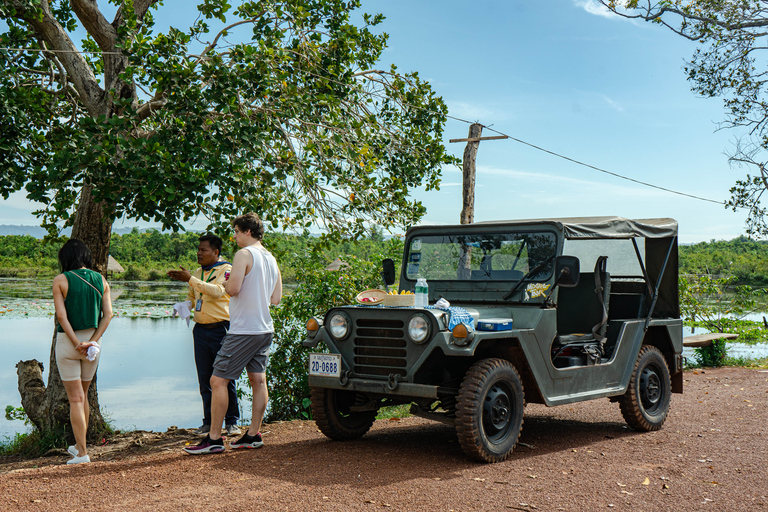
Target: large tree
(274, 106)
(730, 63)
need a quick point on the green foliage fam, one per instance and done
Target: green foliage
(16, 413)
(713, 355)
(318, 290)
(394, 411)
(742, 258)
(746, 362)
(703, 300)
(729, 63)
(33, 444)
(26, 256)
(273, 106)
(147, 255)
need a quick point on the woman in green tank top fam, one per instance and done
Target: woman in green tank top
(83, 312)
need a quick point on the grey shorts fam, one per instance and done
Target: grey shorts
(240, 351)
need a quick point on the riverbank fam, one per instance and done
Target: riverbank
(709, 455)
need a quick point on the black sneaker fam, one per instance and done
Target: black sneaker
(207, 445)
(248, 441)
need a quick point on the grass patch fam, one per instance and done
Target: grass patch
(394, 411)
(746, 362)
(32, 444)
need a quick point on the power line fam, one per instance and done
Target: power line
(553, 153)
(578, 162)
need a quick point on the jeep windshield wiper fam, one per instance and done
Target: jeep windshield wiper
(535, 270)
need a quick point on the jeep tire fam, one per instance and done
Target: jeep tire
(489, 410)
(645, 405)
(331, 410)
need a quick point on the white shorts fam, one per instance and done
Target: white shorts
(72, 364)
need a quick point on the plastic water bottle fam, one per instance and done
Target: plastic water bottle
(422, 293)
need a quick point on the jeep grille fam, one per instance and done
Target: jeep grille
(380, 347)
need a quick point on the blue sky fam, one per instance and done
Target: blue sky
(564, 76)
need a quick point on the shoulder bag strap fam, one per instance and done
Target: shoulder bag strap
(89, 284)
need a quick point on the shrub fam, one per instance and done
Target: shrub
(713, 355)
(318, 290)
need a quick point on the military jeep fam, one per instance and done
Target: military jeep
(548, 311)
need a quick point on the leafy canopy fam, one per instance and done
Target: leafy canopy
(271, 106)
(729, 63)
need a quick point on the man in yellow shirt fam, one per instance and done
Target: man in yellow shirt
(211, 314)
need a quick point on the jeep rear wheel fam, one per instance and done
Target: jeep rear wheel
(489, 410)
(645, 405)
(331, 410)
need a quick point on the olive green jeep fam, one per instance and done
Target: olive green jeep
(522, 324)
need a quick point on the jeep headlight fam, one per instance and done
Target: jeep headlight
(418, 328)
(338, 326)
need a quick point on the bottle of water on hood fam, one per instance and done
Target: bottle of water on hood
(422, 293)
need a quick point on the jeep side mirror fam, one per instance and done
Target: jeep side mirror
(388, 271)
(567, 271)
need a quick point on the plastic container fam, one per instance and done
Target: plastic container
(422, 293)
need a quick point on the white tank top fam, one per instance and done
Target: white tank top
(249, 309)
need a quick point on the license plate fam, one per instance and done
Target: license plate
(325, 365)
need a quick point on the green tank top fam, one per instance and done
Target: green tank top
(83, 302)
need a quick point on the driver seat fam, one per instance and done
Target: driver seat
(582, 313)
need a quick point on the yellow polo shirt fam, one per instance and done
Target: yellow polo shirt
(208, 285)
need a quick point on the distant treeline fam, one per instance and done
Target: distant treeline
(147, 255)
(742, 258)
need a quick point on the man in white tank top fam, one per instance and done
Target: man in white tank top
(254, 283)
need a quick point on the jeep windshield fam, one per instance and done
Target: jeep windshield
(481, 256)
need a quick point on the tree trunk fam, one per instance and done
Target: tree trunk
(93, 226)
(48, 407)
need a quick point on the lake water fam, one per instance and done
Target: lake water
(146, 378)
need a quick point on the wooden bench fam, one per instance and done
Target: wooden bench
(705, 340)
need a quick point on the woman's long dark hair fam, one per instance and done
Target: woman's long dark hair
(75, 254)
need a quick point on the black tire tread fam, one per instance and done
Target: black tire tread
(327, 419)
(629, 403)
(468, 427)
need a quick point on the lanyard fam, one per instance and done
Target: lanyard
(210, 276)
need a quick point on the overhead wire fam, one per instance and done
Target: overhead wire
(617, 175)
(520, 141)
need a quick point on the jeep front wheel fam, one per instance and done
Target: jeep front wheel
(489, 410)
(331, 410)
(645, 405)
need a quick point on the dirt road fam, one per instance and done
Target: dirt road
(712, 454)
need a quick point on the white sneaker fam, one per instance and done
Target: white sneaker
(72, 450)
(79, 460)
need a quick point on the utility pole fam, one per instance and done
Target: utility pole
(470, 155)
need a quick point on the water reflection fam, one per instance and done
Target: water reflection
(146, 377)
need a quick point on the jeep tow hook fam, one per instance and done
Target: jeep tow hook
(344, 377)
(394, 381)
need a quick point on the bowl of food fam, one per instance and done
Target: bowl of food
(371, 297)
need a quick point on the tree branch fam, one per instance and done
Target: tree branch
(56, 38)
(95, 23)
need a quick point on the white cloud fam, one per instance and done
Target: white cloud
(613, 104)
(594, 7)
(575, 186)
(472, 112)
